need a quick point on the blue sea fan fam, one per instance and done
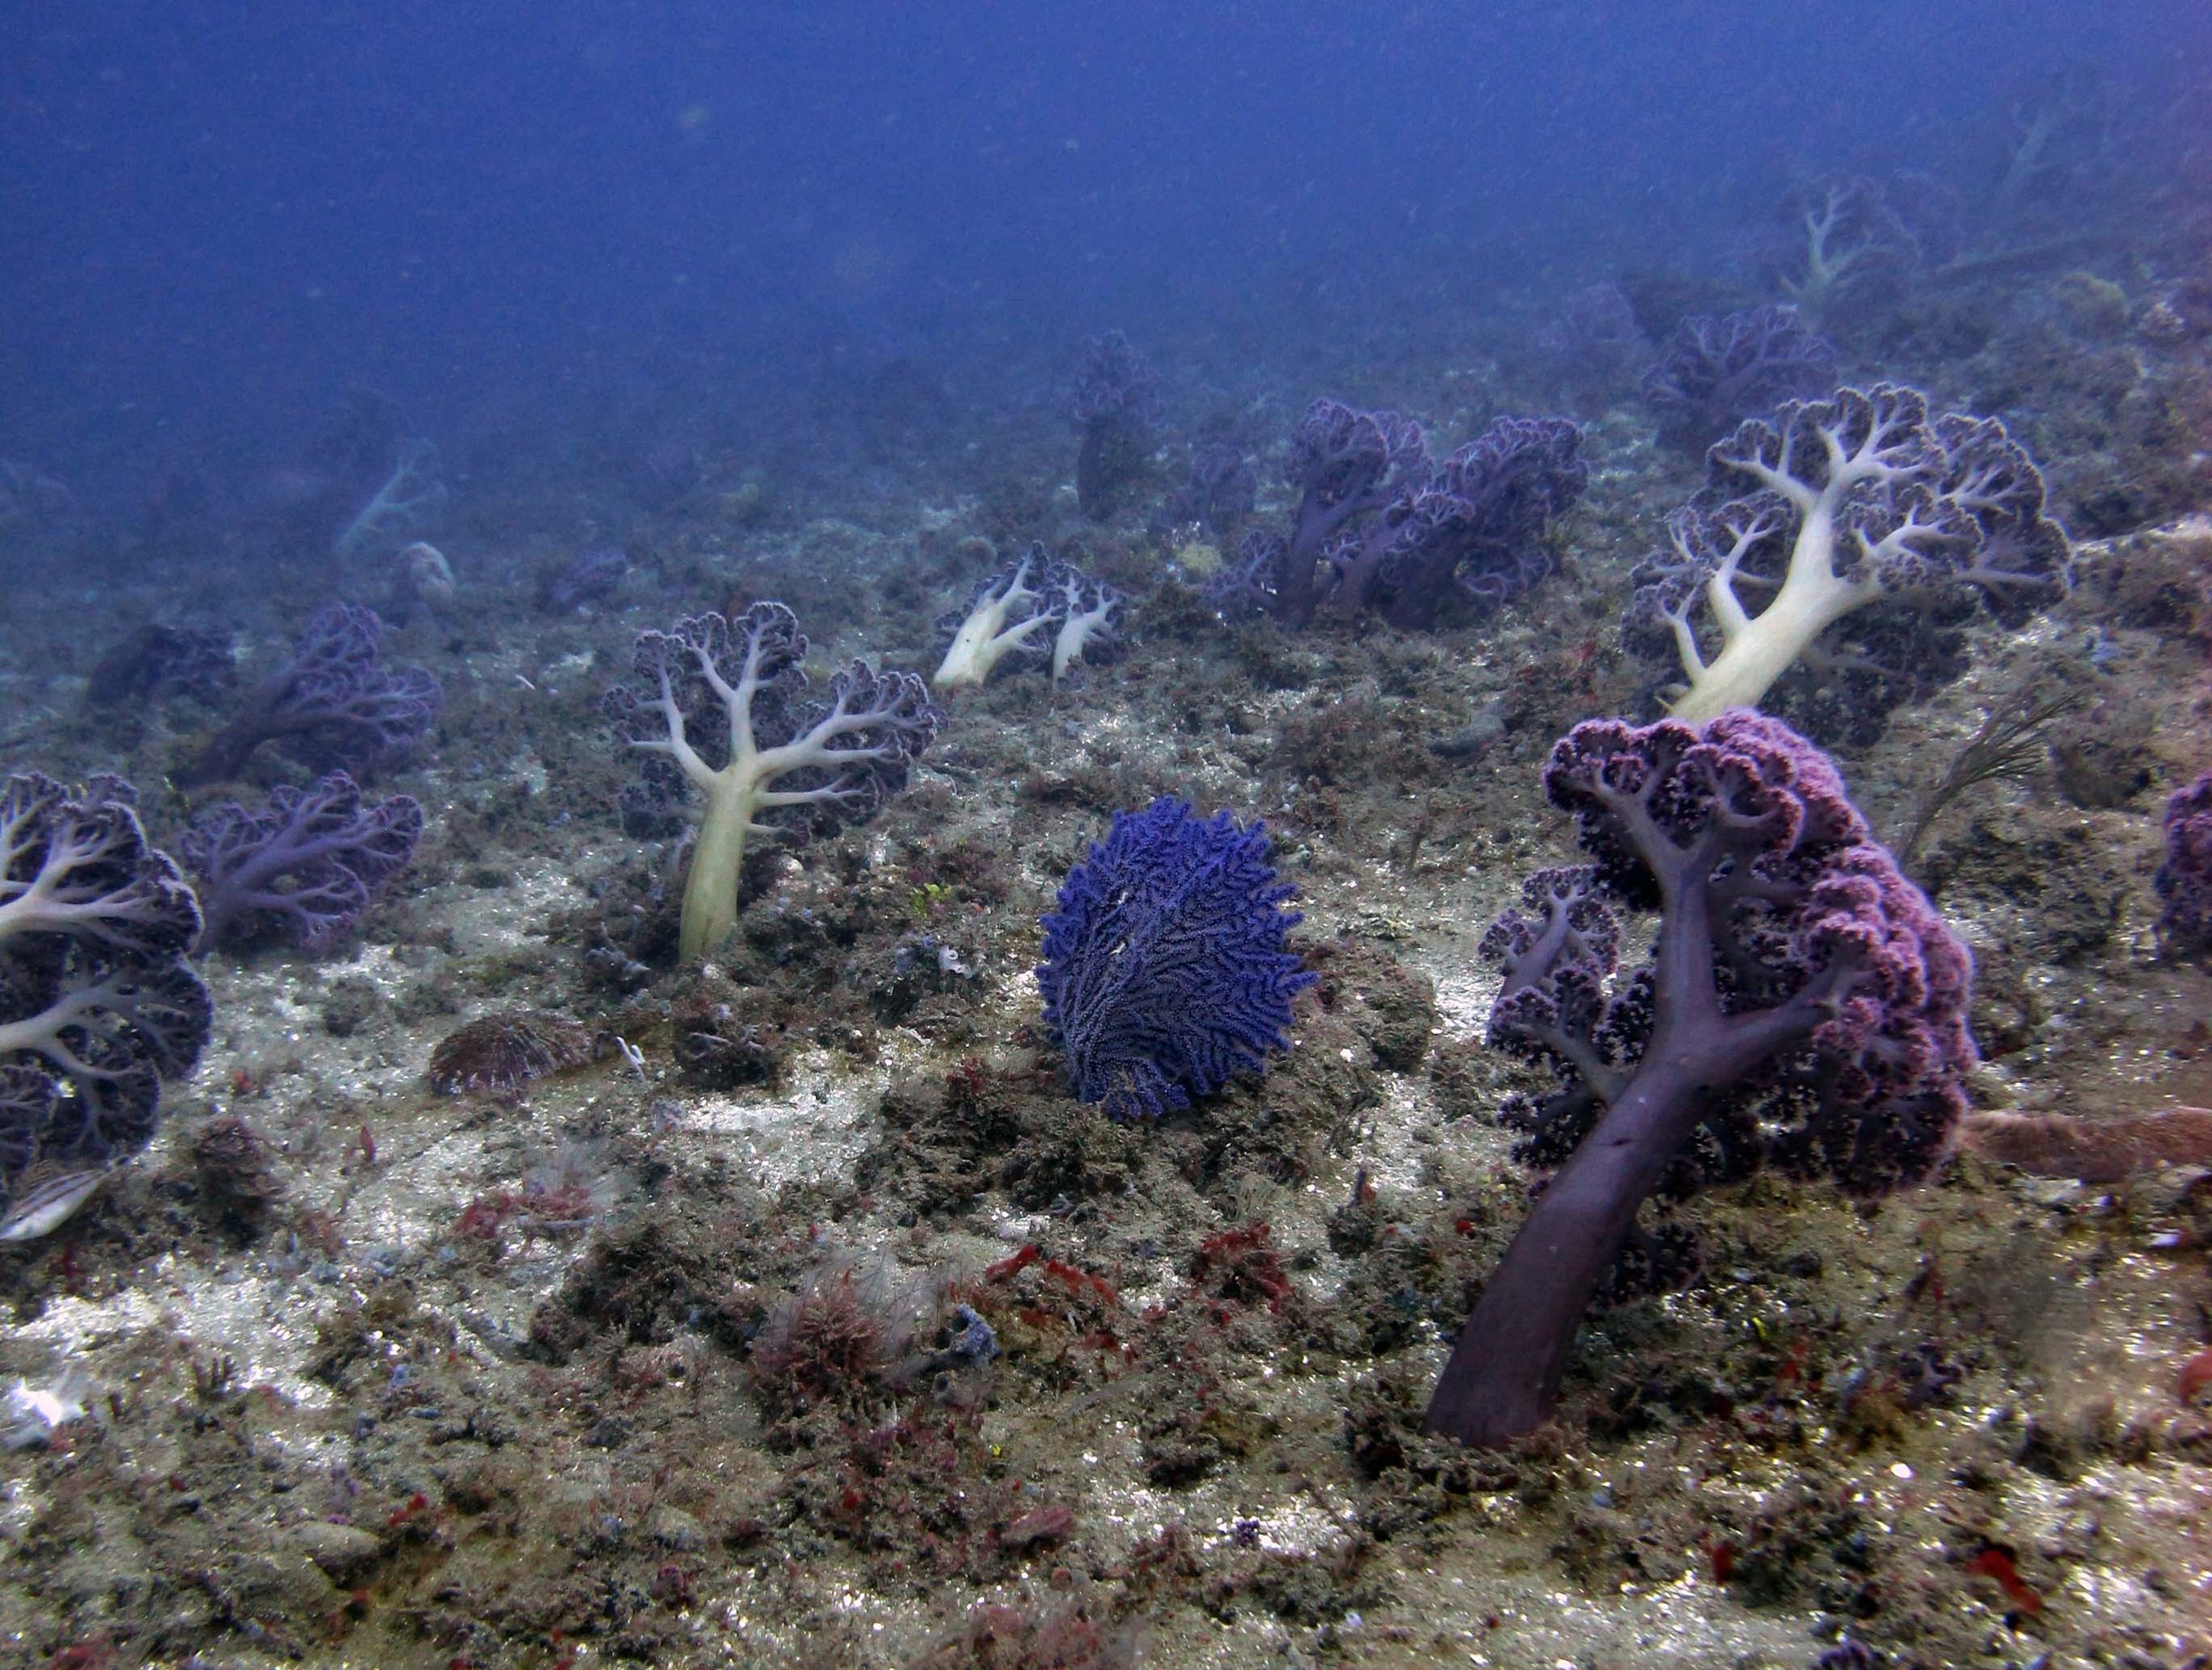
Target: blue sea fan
(1164, 968)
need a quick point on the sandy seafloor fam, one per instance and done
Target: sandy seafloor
(357, 1433)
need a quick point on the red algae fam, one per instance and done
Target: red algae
(1998, 1566)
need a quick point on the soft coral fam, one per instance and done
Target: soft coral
(97, 1004)
(721, 702)
(1804, 1005)
(1836, 504)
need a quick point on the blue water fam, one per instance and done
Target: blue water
(214, 218)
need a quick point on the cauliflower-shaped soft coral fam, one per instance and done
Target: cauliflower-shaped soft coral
(1836, 504)
(311, 863)
(335, 705)
(723, 704)
(98, 1005)
(1115, 405)
(1473, 531)
(1716, 372)
(1802, 1006)
(1349, 465)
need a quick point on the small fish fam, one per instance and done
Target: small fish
(48, 1206)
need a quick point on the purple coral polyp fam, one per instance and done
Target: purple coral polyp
(1166, 966)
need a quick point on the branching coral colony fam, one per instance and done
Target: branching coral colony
(1803, 1007)
(1006, 616)
(722, 704)
(312, 863)
(97, 1004)
(1034, 610)
(1383, 526)
(1834, 505)
(335, 705)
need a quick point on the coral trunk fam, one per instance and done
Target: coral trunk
(716, 862)
(1503, 1376)
(1760, 650)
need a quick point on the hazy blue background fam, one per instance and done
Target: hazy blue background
(214, 216)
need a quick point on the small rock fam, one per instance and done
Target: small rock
(673, 1527)
(343, 1551)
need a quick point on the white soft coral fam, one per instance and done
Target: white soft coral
(1006, 616)
(1836, 504)
(723, 702)
(1087, 611)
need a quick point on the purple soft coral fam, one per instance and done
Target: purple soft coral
(1114, 405)
(312, 862)
(1220, 493)
(2185, 881)
(334, 706)
(1803, 1006)
(1473, 532)
(1717, 371)
(1347, 465)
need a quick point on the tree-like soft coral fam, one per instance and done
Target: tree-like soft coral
(1851, 248)
(403, 504)
(98, 1005)
(1595, 347)
(1715, 373)
(1803, 1006)
(1473, 532)
(1007, 618)
(722, 704)
(1113, 407)
(1085, 609)
(1349, 465)
(334, 706)
(309, 863)
(1219, 493)
(2185, 880)
(1165, 966)
(1836, 504)
(1382, 526)
(1036, 611)
(156, 663)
